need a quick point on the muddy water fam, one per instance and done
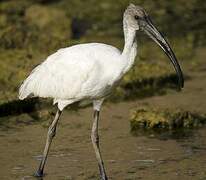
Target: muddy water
(127, 157)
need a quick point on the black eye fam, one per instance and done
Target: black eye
(136, 17)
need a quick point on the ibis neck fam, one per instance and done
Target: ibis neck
(130, 47)
(130, 42)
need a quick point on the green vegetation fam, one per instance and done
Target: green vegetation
(30, 30)
(148, 118)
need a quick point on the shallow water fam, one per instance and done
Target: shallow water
(127, 156)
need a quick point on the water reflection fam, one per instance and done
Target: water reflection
(162, 134)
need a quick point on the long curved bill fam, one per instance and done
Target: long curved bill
(153, 33)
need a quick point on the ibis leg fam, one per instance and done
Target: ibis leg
(50, 136)
(95, 142)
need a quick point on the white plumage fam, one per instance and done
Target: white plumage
(75, 73)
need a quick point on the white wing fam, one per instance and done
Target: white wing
(71, 73)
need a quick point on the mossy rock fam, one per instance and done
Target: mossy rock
(26, 24)
(150, 118)
(52, 25)
(44, 16)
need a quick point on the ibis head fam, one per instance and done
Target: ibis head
(138, 19)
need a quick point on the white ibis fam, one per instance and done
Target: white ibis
(91, 71)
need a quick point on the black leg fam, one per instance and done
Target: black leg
(50, 135)
(95, 142)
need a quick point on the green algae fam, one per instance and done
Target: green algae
(151, 118)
